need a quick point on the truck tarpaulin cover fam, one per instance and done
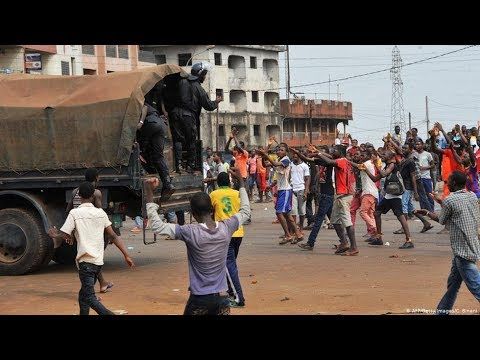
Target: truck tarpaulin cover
(53, 122)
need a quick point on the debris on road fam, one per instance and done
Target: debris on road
(393, 256)
(285, 299)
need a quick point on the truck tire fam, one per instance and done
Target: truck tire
(65, 254)
(23, 242)
(49, 253)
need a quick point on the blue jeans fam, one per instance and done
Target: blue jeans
(87, 299)
(428, 186)
(232, 268)
(407, 206)
(325, 203)
(423, 197)
(462, 270)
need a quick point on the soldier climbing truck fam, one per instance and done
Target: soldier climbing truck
(52, 128)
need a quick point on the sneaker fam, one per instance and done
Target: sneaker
(235, 304)
(306, 246)
(407, 245)
(376, 242)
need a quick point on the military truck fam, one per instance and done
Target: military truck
(52, 128)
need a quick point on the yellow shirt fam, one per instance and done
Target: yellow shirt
(226, 203)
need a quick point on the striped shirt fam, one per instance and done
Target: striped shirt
(460, 210)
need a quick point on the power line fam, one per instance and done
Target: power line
(454, 106)
(383, 70)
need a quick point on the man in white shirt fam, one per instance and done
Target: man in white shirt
(424, 161)
(89, 224)
(300, 181)
(283, 205)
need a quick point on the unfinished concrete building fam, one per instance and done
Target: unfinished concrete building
(313, 121)
(248, 78)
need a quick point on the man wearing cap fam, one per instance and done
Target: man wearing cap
(186, 114)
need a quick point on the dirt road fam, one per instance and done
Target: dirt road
(276, 279)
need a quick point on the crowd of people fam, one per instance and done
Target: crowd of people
(324, 185)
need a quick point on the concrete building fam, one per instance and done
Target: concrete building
(72, 59)
(248, 78)
(313, 121)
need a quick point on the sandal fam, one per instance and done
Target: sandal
(350, 253)
(107, 288)
(399, 231)
(297, 240)
(425, 229)
(285, 241)
(341, 249)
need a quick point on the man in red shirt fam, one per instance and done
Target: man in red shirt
(344, 188)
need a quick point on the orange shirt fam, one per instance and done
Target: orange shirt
(449, 165)
(260, 168)
(341, 174)
(241, 160)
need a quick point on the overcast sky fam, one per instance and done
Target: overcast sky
(451, 83)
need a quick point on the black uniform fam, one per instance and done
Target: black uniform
(185, 118)
(151, 137)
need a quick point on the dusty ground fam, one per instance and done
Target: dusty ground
(276, 279)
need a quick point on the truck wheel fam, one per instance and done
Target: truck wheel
(23, 242)
(65, 254)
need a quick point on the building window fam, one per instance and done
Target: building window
(253, 62)
(65, 68)
(123, 51)
(160, 59)
(301, 126)
(324, 127)
(218, 58)
(89, 72)
(221, 130)
(88, 49)
(146, 56)
(256, 130)
(185, 59)
(111, 51)
(255, 96)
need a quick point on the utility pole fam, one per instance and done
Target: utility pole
(397, 110)
(328, 86)
(409, 121)
(338, 92)
(426, 107)
(287, 77)
(310, 113)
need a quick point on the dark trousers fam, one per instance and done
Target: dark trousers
(325, 204)
(184, 133)
(87, 299)
(423, 197)
(180, 217)
(310, 214)
(232, 268)
(428, 186)
(156, 160)
(213, 304)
